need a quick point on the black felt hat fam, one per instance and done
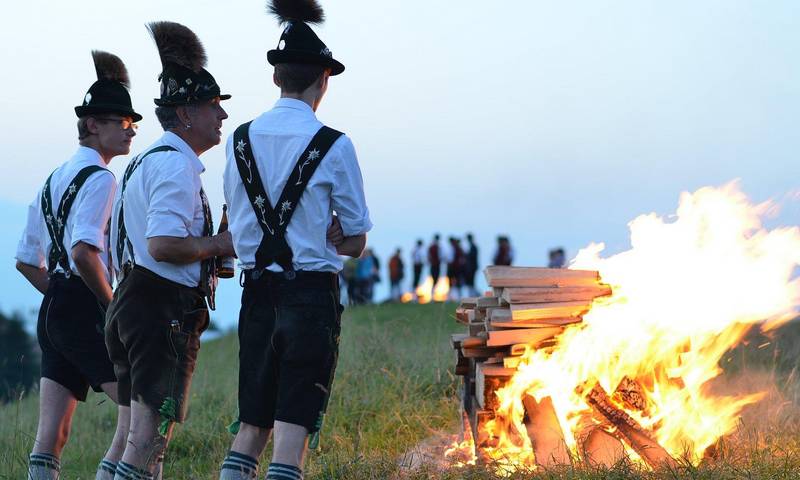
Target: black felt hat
(184, 79)
(298, 43)
(109, 94)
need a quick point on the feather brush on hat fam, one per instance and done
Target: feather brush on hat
(308, 11)
(110, 67)
(177, 44)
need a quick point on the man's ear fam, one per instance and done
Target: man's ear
(275, 80)
(322, 82)
(183, 115)
(91, 125)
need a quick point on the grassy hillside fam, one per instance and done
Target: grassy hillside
(394, 392)
(393, 388)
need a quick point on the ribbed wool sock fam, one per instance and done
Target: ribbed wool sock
(106, 470)
(43, 466)
(126, 471)
(238, 466)
(281, 471)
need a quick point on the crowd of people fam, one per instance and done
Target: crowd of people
(455, 259)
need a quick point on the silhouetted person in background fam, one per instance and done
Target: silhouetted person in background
(471, 266)
(396, 275)
(435, 259)
(557, 258)
(349, 276)
(418, 260)
(455, 268)
(504, 255)
(365, 277)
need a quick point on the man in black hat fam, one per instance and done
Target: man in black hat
(164, 248)
(285, 175)
(63, 253)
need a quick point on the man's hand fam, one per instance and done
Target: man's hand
(92, 271)
(335, 235)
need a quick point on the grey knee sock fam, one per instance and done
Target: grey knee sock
(106, 470)
(43, 466)
(126, 471)
(281, 471)
(238, 466)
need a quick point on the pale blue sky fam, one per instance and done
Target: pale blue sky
(553, 122)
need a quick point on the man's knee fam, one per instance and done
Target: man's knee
(146, 441)
(251, 439)
(253, 433)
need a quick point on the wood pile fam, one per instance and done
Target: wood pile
(527, 308)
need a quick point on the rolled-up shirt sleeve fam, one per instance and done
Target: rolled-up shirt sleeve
(171, 198)
(30, 250)
(92, 209)
(347, 192)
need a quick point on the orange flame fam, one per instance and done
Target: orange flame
(425, 292)
(686, 292)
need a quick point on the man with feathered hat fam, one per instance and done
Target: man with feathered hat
(63, 253)
(164, 248)
(286, 173)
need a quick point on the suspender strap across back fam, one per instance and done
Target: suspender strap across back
(57, 221)
(122, 233)
(274, 220)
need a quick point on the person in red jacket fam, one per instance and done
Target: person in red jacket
(396, 275)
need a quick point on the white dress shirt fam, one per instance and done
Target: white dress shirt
(278, 138)
(87, 219)
(419, 255)
(162, 199)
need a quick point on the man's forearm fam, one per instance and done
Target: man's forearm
(182, 251)
(35, 275)
(92, 271)
(352, 246)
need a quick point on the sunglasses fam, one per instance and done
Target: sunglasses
(125, 123)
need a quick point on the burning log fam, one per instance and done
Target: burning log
(545, 432)
(498, 276)
(629, 429)
(551, 295)
(600, 448)
(631, 394)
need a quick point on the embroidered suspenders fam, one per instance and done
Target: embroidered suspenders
(56, 221)
(122, 233)
(274, 221)
(207, 266)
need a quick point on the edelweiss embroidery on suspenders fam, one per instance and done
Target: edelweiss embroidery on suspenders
(56, 221)
(312, 155)
(274, 222)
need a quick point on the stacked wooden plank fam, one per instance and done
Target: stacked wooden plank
(526, 308)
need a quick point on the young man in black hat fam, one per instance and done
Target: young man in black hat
(63, 253)
(285, 175)
(164, 248)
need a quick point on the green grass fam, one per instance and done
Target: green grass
(394, 394)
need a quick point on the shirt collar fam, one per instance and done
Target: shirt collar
(173, 140)
(294, 104)
(89, 156)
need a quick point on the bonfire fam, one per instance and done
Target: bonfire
(624, 371)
